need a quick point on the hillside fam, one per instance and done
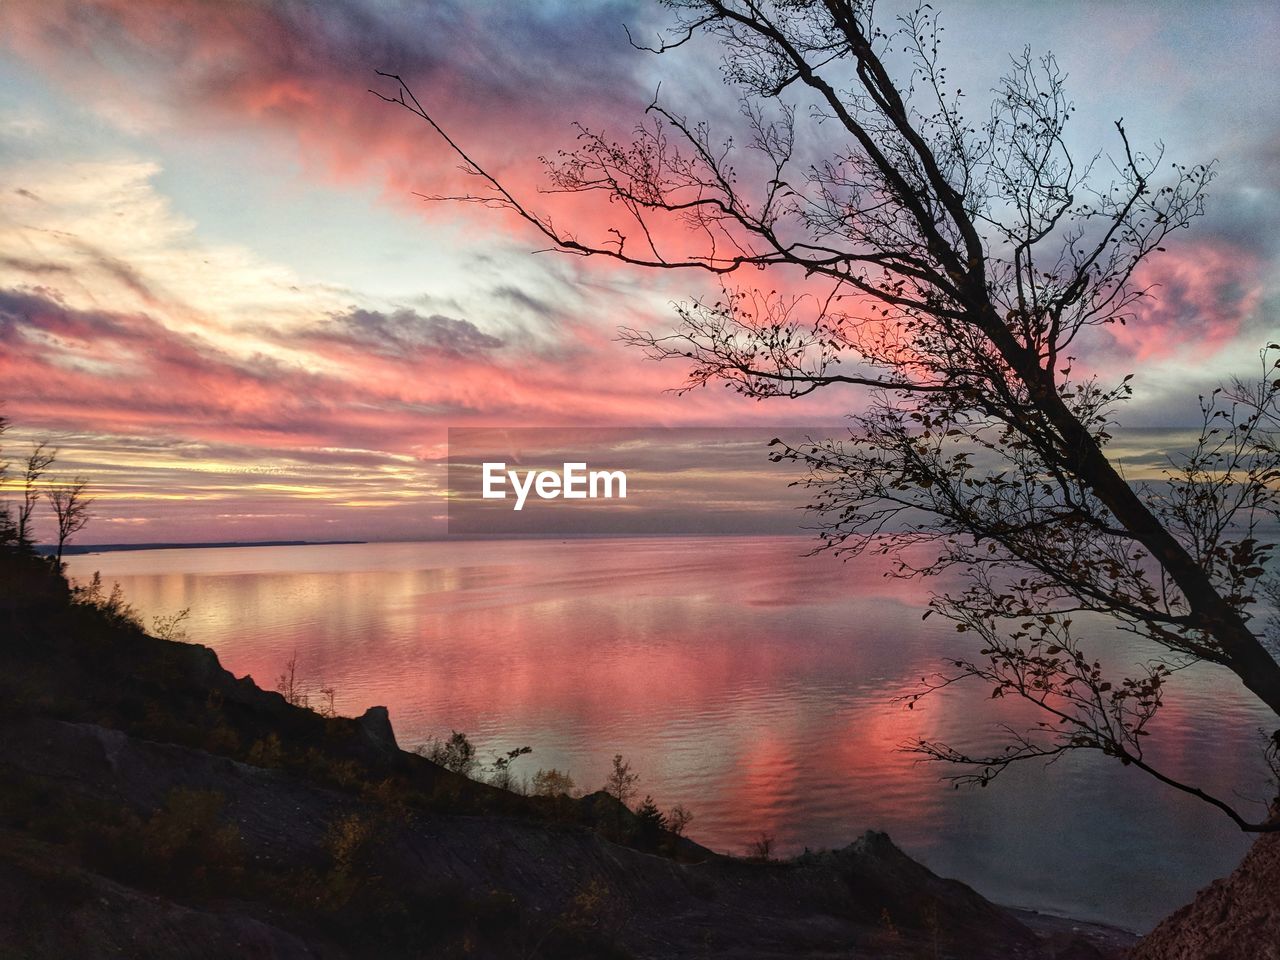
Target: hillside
(154, 805)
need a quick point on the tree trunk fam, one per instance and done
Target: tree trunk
(1244, 652)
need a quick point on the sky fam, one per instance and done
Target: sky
(224, 301)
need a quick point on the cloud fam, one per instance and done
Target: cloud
(108, 238)
(120, 319)
(117, 309)
(1202, 295)
(303, 71)
(120, 371)
(169, 426)
(402, 333)
(33, 267)
(525, 301)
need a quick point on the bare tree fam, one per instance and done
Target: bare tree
(70, 509)
(8, 530)
(951, 265)
(621, 783)
(678, 819)
(37, 463)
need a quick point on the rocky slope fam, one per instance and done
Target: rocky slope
(1235, 918)
(868, 899)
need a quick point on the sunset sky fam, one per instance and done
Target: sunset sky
(221, 299)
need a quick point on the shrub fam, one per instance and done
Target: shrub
(183, 846)
(552, 783)
(457, 753)
(349, 842)
(171, 628)
(111, 606)
(268, 752)
(761, 848)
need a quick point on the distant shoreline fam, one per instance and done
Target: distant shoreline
(73, 549)
(82, 549)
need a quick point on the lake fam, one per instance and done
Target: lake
(740, 678)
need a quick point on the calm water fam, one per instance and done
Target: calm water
(744, 680)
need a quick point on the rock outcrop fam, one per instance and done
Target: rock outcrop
(1235, 918)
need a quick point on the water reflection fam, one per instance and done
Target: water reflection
(742, 679)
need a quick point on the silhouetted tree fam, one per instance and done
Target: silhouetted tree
(8, 529)
(500, 773)
(650, 823)
(457, 753)
(951, 266)
(621, 784)
(678, 819)
(70, 510)
(290, 686)
(761, 848)
(37, 463)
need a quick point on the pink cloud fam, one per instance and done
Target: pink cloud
(1201, 296)
(302, 72)
(127, 372)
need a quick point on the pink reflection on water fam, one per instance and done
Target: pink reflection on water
(742, 679)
